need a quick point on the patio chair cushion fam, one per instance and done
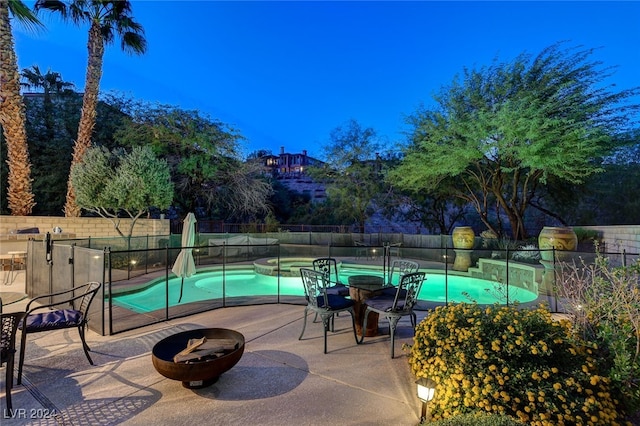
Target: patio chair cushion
(391, 291)
(335, 302)
(338, 290)
(52, 320)
(384, 303)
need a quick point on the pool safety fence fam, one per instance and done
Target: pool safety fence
(57, 265)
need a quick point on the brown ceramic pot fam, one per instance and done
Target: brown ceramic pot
(560, 238)
(463, 237)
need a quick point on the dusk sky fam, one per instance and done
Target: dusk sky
(286, 73)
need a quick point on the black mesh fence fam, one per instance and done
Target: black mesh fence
(140, 287)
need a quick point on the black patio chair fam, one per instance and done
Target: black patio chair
(395, 250)
(323, 304)
(362, 250)
(329, 266)
(399, 267)
(58, 319)
(396, 306)
(8, 328)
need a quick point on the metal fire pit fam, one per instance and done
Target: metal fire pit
(198, 374)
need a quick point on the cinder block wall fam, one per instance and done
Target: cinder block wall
(72, 227)
(616, 238)
(619, 237)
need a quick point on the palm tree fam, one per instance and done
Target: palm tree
(106, 19)
(20, 197)
(50, 83)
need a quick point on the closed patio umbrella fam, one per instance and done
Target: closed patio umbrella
(184, 265)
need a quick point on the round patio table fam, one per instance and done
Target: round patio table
(361, 287)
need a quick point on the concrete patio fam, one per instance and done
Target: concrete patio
(279, 380)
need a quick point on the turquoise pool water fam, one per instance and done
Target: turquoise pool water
(243, 283)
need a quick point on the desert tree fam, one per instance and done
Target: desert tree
(115, 184)
(352, 172)
(204, 157)
(499, 133)
(106, 19)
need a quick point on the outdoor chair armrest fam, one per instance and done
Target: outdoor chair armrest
(60, 293)
(51, 305)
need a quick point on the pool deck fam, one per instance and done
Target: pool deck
(279, 380)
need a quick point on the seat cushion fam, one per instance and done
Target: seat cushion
(52, 320)
(338, 289)
(335, 302)
(391, 291)
(384, 303)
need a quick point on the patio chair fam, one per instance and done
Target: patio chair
(8, 327)
(59, 319)
(362, 250)
(323, 304)
(395, 250)
(329, 266)
(396, 306)
(399, 267)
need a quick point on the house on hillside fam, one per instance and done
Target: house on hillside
(290, 169)
(288, 166)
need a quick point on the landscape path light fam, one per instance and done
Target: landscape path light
(426, 392)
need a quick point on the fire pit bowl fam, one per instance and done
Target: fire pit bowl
(198, 374)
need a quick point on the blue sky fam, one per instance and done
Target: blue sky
(287, 73)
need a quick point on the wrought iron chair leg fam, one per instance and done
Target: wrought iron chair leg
(23, 344)
(353, 325)
(9, 382)
(315, 319)
(326, 322)
(85, 347)
(393, 324)
(364, 326)
(304, 322)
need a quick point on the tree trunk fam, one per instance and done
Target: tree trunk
(20, 197)
(88, 114)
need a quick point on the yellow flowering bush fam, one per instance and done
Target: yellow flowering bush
(509, 361)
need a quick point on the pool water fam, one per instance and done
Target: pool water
(243, 283)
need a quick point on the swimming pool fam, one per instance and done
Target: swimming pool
(208, 285)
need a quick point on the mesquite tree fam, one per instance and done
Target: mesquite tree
(498, 133)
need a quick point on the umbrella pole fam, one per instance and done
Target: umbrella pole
(181, 287)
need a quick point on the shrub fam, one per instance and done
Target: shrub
(605, 303)
(512, 362)
(586, 235)
(528, 254)
(478, 420)
(500, 246)
(489, 239)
